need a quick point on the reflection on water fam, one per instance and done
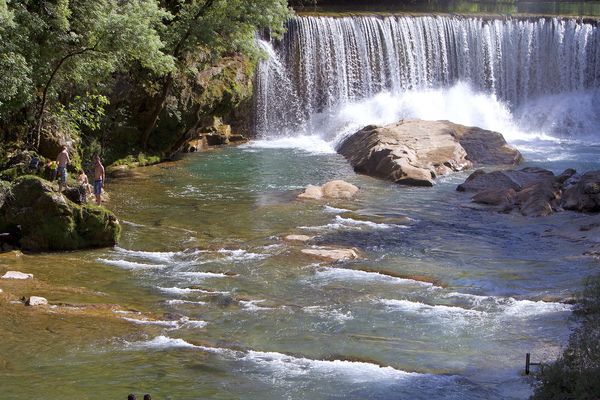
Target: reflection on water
(214, 304)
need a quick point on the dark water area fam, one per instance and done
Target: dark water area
(550, 8)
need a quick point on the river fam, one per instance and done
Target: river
(444, 303)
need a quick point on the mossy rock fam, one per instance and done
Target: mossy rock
(49, 221)
(10, 174)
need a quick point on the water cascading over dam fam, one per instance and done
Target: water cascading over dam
(543, 71)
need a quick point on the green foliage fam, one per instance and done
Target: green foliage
(139, 160)
(96, 68)
(575, 374)
(84, 112)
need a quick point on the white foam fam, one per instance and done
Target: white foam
(202, 275)
(334, 210)
(341, 223)
(183, 291)
(422, 308)
(132, 224)
(162, 342)
(311, 144)
(159, 256)
(129, 264)
(169, 324)
(361, 276)
(185, 322)
(329, 313)
(240, 255)
(529, 308)
(251, 305)
(179, 301)
(165, 343)
(357, 371)
(510, 307)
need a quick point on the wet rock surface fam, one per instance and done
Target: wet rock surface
(534, 191)
(415, 152)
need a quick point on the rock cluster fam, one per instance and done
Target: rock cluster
(415, 152)
(47, 220)
(535, 191)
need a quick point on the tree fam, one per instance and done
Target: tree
(73, 47)
(222, 26)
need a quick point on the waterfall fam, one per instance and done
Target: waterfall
(323, 64)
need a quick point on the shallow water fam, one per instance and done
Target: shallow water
(456, 307)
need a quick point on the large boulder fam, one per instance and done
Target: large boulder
(535, 191)
(584, 194)
(415, 152)
(49, 221)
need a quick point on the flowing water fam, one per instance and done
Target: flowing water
(444, 303)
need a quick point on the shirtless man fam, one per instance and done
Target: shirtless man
(99, 178)
(62, 160)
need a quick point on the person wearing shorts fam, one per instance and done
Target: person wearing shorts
(99, 178)
(62, 160)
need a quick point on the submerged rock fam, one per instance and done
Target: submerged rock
(332, 254)
(415, 152)
(298, 238)
(49, 221)
(336, 189)
(534, 191)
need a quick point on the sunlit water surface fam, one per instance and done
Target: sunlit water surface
(249, 316)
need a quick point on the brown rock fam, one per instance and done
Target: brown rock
(336, 189)
(415, 152)
(584, 195)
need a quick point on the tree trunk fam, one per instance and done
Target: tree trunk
(162, 99)
(37, 131)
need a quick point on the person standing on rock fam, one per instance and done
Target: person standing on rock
(62, 160)
(99, 178)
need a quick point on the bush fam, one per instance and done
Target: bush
(576, 374)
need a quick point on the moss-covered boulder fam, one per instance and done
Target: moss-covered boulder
(49, 221)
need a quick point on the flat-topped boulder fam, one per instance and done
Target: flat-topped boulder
(48, 221)
(415, 152)
(534, 191)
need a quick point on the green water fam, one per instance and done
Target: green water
(268, 322)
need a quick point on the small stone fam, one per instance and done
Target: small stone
(332, 254)
(16, 275)
(36, 301)
(298, 238)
